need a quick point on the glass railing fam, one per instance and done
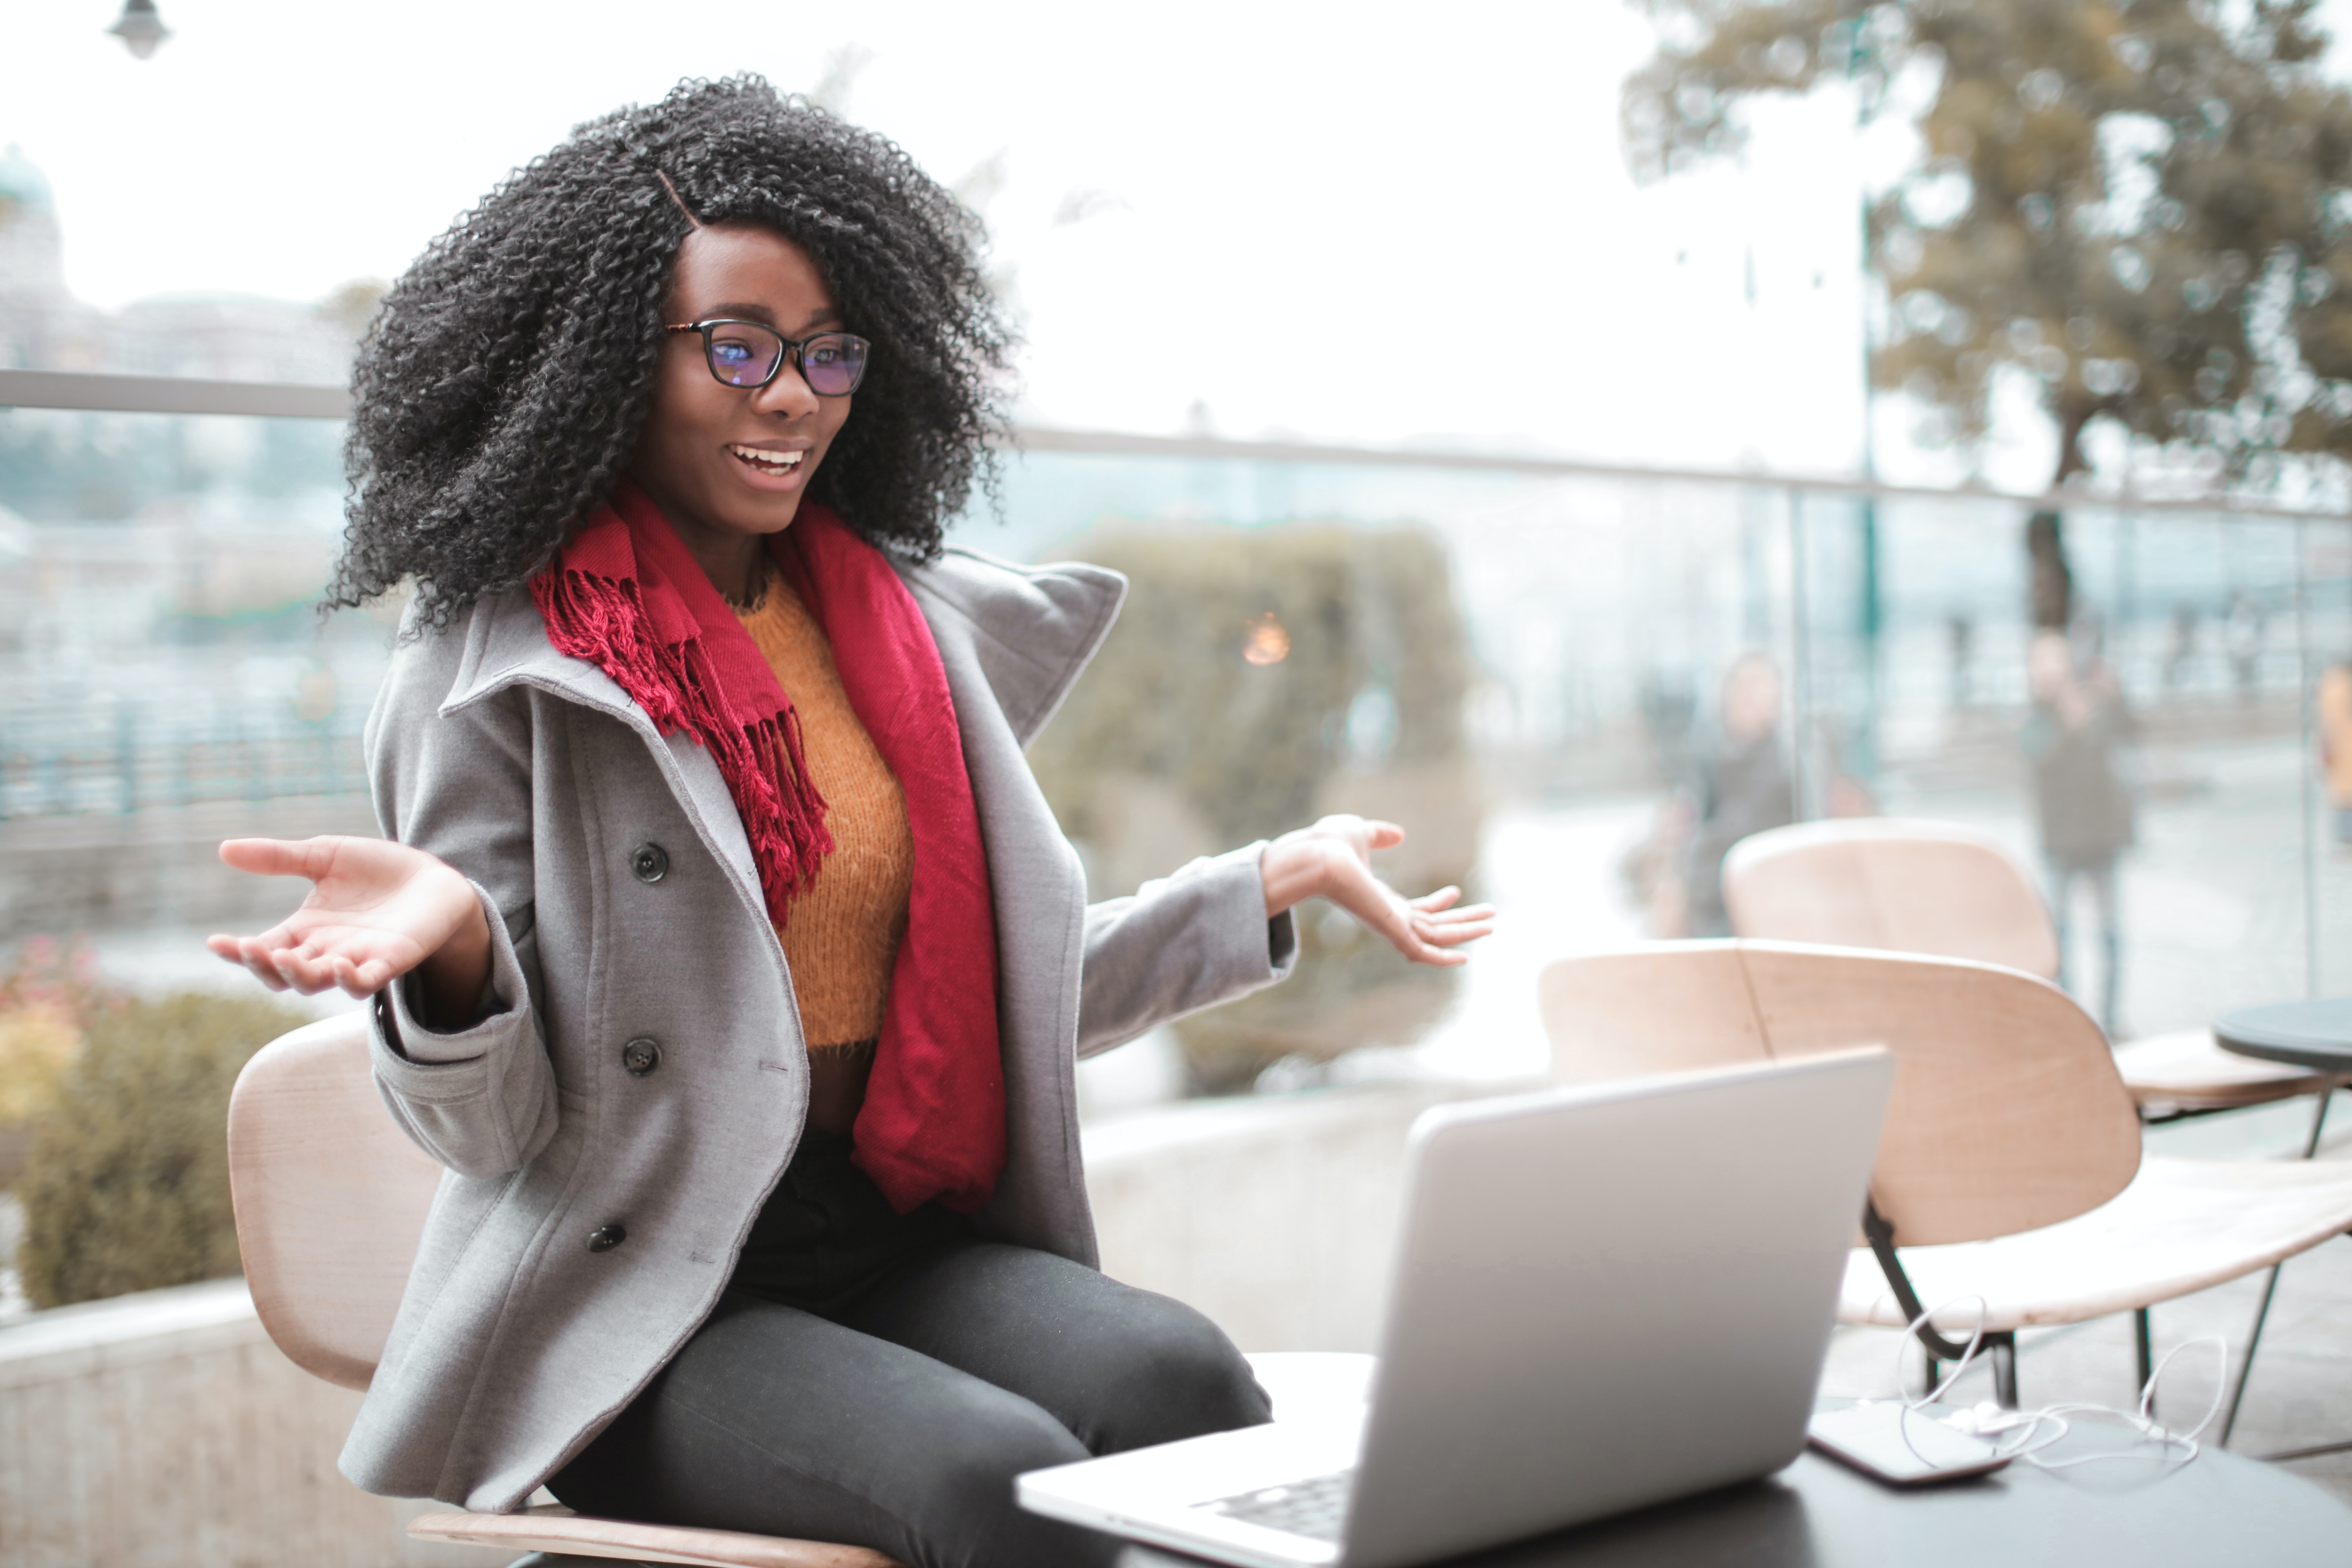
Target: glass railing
(160, 643)
(1574, 684)
(161, 648)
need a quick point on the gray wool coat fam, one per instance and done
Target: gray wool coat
(626, 909)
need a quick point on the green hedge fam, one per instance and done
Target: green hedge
(126, 1184)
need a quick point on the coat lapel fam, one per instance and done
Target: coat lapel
(506, 644)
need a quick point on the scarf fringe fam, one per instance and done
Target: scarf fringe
(603, 621)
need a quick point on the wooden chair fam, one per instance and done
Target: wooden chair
(2010, 1166)
(330, 1201)
(1934, 888)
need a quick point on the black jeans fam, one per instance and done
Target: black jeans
(879, 1379)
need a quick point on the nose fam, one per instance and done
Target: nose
(788, 395)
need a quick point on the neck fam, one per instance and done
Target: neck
(736, 563)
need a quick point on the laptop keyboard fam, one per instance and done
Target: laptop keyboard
(1314, 1508)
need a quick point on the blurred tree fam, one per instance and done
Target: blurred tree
(2142, 204)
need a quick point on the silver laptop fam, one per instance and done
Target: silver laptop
(1603, 1297)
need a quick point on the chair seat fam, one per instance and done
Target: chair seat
(2167, 1074)
(1300, 1383)
(556, 1528)
(2181, 1225)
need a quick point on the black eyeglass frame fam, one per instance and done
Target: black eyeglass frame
(793, 350)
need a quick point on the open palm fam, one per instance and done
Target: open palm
(376, 911)
(1333, 860)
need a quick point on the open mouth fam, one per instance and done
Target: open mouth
(760, 459)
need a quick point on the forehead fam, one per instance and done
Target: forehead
(741, 267)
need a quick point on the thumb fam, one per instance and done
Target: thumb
(273, 857)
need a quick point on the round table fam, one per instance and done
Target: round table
(2316, 1034)
(1817, 1513)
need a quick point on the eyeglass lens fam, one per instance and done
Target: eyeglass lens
(744, 353)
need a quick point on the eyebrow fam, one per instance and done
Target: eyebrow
(758, 312)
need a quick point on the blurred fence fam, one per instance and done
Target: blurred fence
(156, 651)
(63, 759)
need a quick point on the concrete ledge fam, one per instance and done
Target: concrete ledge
(163, 1430)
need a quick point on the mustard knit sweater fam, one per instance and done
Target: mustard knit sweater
(843, 933)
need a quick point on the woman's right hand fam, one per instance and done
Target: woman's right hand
(376, 911)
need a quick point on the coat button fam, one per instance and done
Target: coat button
(605, 1237)
(650, 862)
(641, 1055)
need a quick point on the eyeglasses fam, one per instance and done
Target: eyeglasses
(748, 354)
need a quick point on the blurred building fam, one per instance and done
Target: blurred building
(42, 326)
(231, 337)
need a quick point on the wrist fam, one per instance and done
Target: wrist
(454, 974)
(1295, 868)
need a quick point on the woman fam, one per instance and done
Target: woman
(723, 946)
(2073, 739)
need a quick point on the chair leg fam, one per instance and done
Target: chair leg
(2318, 1121)
(2003, 1349)
(2270, 1290)
(2145, 1351)
(2253, 1344)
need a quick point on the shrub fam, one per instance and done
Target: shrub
(126, 1184)
(48, 994)
(1255, 680)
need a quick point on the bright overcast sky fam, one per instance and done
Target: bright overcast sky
(1358, 223)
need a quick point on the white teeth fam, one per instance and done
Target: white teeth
(763, 458)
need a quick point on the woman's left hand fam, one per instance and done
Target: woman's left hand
(1333, 860)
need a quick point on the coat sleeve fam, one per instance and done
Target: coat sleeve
(1179, 944)
(480, 1099)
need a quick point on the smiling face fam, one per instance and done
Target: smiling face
(728, 465)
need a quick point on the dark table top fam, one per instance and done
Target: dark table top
(1817, 1513)
(2305, 1034)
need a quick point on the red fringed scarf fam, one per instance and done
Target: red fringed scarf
(627, 596)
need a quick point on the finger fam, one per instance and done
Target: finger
(1430, 903)
(1395, 921)
(305, 974)
(314, 976)
(1454, 936)
(1385, 835)
(374, 975)
(354, 977)
(278, 856)
(257, 963)
(1466, 912)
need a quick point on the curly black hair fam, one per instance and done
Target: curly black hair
(500, 389)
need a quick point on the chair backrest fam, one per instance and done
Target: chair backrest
(331, 1198)
(1889, 883)
(2006, 1112)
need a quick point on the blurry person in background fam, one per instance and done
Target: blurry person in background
(2078, 725)
(2241, 633)
(2336, 744)
(2182, 649)
(1742, 785)
(1960, 633)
